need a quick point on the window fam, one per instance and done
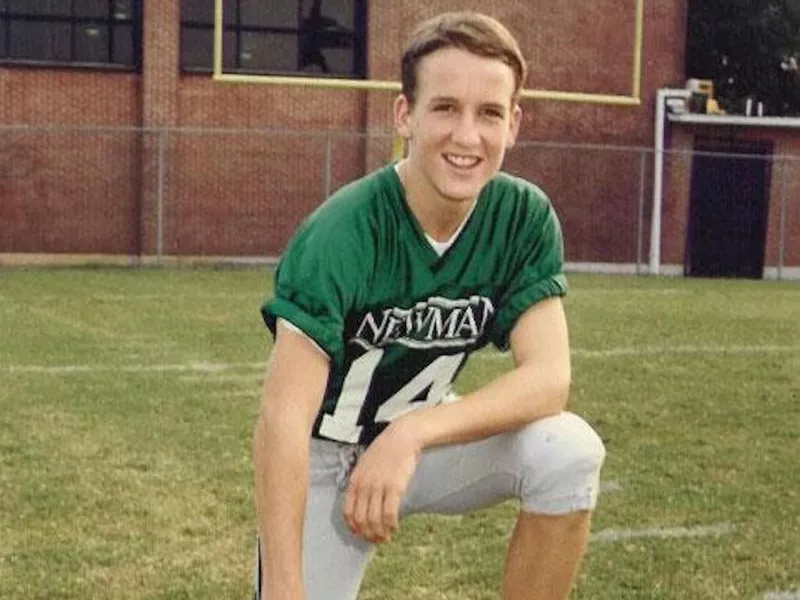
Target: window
(85, 32)
(325, 38)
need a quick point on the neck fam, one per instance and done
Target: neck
(439, 217)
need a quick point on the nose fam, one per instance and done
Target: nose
(465, 130)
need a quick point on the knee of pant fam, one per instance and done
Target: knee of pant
(560, 461)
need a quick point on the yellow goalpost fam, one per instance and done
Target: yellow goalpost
(633, 99)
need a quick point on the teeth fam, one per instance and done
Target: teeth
(462, 161)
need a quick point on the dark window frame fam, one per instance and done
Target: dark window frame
(76, 21)
(234, 26)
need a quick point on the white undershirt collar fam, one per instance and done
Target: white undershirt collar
(441, 247)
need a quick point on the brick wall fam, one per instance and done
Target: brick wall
(62, 190)
(262, 165)
(245, 193)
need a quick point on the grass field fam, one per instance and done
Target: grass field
(127, 399)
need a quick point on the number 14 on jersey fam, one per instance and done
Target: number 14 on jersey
(343, 424)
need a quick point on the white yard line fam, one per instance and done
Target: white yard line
(688, 349)
(167, 368)
(201, 368)
(782, 596)
(629, 291)
(658, 350)
(252, 394)
(253, 378)
(620, 535)
(146, 342)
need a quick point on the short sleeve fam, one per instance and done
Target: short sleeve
(537, 272)
(316, 283)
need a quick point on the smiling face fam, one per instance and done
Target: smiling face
(459, 126)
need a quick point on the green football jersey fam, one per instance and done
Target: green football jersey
(397, 320)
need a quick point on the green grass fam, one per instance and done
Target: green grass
(125, 473)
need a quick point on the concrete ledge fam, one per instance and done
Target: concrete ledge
(123, 260)
(24, 259)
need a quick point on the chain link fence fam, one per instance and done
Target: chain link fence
(154, 195)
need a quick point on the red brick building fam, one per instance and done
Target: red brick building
(146, 154)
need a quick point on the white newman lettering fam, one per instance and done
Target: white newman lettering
(436, 322)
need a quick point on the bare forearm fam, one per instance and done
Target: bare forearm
(281, 485)
(513, 400)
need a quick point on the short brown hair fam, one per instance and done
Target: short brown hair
(474, 32)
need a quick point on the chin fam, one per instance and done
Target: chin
(458, 198)
(461, 193)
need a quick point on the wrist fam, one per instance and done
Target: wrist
(408, 432)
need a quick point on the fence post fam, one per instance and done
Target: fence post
(326, 174)
(640, 215)
(782, 217)
(160, 174)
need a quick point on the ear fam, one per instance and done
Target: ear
(514, 124)
(402, 117)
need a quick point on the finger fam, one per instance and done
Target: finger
(361, 511)
(391, 511)
(348, 512)
(375, 528)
